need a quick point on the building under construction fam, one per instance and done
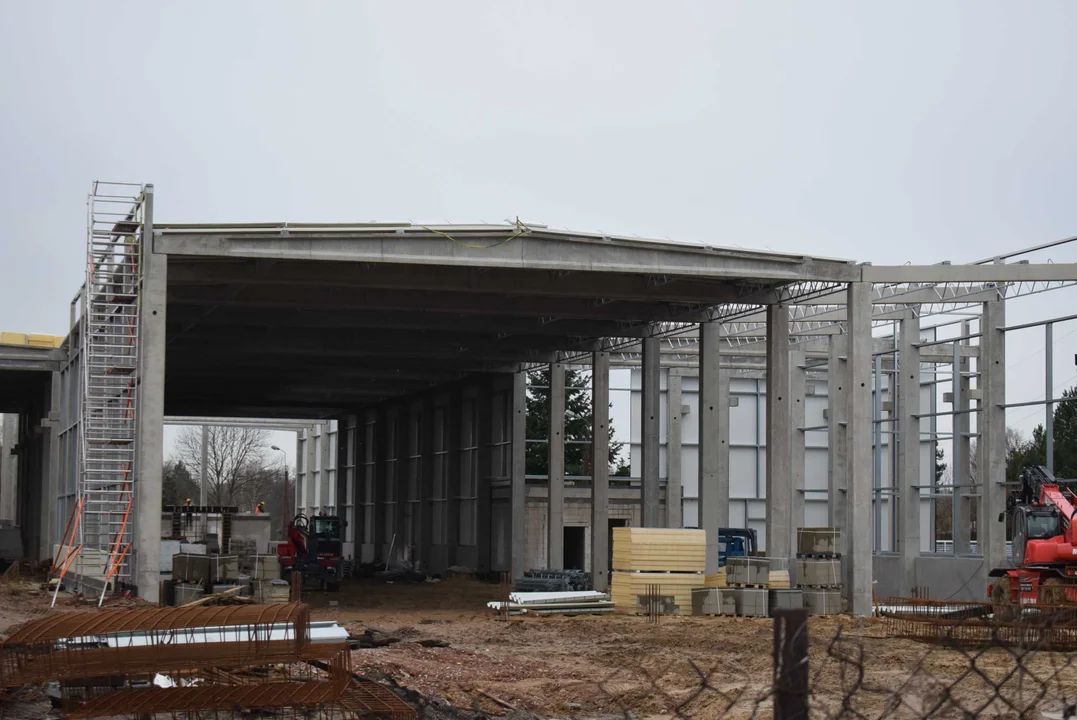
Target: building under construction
(767, 390)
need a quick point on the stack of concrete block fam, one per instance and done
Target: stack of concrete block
(271, 591)
(673, 559)
(711, 601)
(264, 567)
(243, 549)
(818, 569)
(749, 577)
(203, 569)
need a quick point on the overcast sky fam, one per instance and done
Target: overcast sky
(911, 132)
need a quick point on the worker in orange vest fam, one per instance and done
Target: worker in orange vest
(260, 508)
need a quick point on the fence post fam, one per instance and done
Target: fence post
(790, 665)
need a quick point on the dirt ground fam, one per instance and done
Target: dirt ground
(595, 666)
(589, 666)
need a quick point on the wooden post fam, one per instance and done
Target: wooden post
(791, 665)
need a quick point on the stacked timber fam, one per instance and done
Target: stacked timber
(819, 570)
(672, 559)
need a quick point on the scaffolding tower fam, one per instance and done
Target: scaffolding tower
(109, 398)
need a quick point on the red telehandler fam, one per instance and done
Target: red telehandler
(1044, 547)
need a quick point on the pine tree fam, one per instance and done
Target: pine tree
(578, 418)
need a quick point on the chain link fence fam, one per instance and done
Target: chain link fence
(922, 660)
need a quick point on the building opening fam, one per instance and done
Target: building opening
(575, 544)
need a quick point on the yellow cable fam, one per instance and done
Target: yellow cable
(521, 229)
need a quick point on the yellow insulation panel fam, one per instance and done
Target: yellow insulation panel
(31, 339)
(659, 549)
(627, 587)
(716, 580)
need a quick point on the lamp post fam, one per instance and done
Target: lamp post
(284, 507)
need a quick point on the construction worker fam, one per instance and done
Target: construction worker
(260, 508)
(188, 512)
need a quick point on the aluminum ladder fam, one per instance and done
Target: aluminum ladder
(109, 397)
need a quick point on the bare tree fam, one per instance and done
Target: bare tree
(235, 460)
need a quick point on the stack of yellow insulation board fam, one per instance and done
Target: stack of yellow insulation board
(659, 549)
(779, 580)
(716, 580)
(31, 339)
(673, 559)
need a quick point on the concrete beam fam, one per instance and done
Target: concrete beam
(674, 517)
(536, 249)
(649, 418)
(991, 272)
(555, 523)
(909, 448)
(779, 434)
(600, 481)
(151, 411)
(713, 484)
(993, 435)
(860, 455)
(962, 455)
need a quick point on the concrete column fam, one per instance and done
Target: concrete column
(798, 393)
(8, 469)
(518, 553)
(51, 473)
(908, 439)
(402, 491)
(309, 486)
(962, 465)
(555, 508)
(713, 492)
(600, 473)
(649, 414)
(455, 425)
(203, 475)
(779, 433)
(837, 445)
(325, 494)
(379, 445)
(860, 457)
(151, 411)
(426, 482)
(485, 403)
(993, 434)
(674, 490)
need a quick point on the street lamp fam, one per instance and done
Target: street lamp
(284, 507)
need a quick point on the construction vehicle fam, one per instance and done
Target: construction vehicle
(735, 542)
(313, 549)
(1044, 547)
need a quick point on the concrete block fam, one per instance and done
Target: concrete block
(187, 593)
(190, 568)
(819, 572)
(784, 600)
(822, 601)
(750, 602)
(747, 571)
(709, 601)
(193, 548)
(271, 591)
(223, 567)
(265, 567)
(818, 541)
(169, 549)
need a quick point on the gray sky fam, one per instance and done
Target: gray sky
(914, 131)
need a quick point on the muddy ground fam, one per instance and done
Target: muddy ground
(592, 666)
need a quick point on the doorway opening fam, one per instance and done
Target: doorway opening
(575, 543)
